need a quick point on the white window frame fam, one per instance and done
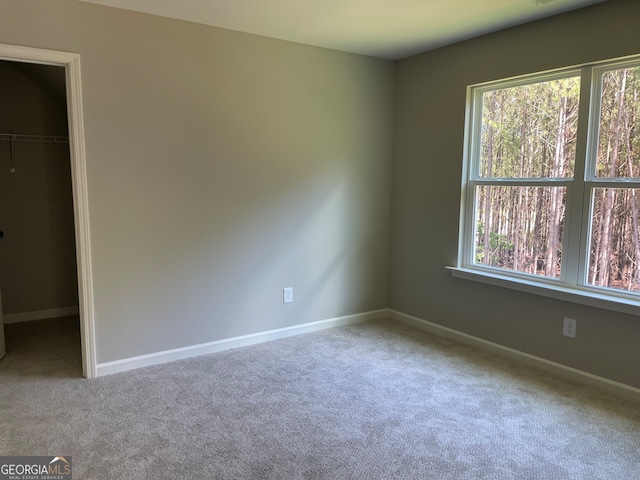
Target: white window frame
(572, 284)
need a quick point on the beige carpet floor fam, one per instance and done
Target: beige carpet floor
(377, 400)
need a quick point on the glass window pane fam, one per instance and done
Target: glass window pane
(520, 228)
(619, 129)
(530, 131)
(615, 250)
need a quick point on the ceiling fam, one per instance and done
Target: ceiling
(391, 29)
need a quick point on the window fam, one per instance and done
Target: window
(551, 185)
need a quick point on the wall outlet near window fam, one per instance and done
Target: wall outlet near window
(287, 295)
(569, 327)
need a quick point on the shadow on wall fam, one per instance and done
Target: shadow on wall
(314, 237)
(280, 179)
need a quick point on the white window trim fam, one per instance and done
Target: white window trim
(572, 285)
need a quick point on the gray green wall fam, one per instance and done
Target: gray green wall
(221, 168)
(429, 130)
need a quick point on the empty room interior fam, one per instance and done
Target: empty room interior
(235, 252)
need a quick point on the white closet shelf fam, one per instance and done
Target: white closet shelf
(12, 137)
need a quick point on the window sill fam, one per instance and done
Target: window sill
(558, 292)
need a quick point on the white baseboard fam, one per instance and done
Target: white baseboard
(235, 342)
(612, 386)
(157, 358)
(39, 315)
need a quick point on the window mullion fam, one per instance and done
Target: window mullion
(578, 201)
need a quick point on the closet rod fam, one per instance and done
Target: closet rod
(11, 137)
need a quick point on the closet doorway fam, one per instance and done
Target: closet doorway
(45, 268)
(38, 271)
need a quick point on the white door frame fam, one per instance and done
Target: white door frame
(71, 63)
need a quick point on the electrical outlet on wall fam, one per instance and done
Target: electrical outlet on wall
(569, 327)
(287, 295)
